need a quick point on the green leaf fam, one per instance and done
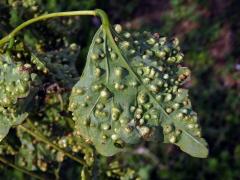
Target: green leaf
(131, 90)
(7, 121)
(14, 81)
(14, 85)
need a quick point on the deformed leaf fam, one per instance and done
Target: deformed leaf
(14, 85)
(14, 81)
(132, 90)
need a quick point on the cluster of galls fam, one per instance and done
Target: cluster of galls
(131, 90)
(14, 85)
(75, 145)
(33, 155)
(39, 156)
(32, 5)
(55, 127)
(41, 66)
(14, 81)
(116, 171)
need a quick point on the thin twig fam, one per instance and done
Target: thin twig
(39, 136)
(3, 160)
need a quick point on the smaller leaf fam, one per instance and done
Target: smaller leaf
(195, 146)
(14, 86)
(7, 121)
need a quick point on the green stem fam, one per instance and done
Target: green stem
(104, 18)
(3, 160)
(40, 137)
(97, 12)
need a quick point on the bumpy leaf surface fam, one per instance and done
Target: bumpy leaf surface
(14, 85)
(132, 90)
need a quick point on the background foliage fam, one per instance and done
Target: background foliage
(209, 32)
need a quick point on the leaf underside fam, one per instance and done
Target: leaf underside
(132, 90)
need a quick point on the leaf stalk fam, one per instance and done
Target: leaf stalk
(98, 12)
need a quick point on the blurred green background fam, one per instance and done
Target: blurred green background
(209, 32)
